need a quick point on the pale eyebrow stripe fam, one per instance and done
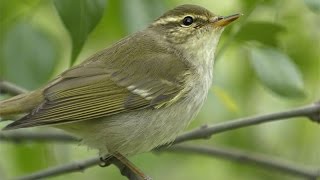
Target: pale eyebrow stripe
(168, 20)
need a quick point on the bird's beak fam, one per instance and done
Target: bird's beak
(222, 21)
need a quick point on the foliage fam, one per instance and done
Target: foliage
(274, 46)
(277, 71)
(80, 18)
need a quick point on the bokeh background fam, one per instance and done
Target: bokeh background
(267, 61)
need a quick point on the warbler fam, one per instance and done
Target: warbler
(135, 95)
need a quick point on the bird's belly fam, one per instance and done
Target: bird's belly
(139, 131)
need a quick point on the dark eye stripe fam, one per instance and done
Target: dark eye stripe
(185, 20)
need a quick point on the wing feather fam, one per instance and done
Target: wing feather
(99, 87)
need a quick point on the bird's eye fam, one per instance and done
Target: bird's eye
(187, 21)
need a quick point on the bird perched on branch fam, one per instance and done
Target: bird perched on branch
(135, 95)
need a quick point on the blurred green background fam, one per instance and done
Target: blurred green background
(268, 61)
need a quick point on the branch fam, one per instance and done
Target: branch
(63, 169)
(9, 88)
(250, 158)
(311, 111)
(224, 153)
(20, 136)
(81, 166)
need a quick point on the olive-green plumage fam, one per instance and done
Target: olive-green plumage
(103, 86)
(137, 94)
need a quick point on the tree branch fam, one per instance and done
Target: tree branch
(224, 153)
(250, 158)
(81, 166)
(63, 169)
(21, 136)
(10, 88)
(311, 111)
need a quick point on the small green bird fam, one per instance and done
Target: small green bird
(135, 95)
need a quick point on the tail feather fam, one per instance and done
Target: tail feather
(20, 104)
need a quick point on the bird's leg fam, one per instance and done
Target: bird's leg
(134, 172)
(126, 168)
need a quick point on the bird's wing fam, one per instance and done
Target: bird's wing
(101, 87)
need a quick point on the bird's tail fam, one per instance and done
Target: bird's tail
(20, 104)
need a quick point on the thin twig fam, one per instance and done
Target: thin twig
(21, 136)
(81, 166)
(63, 169)
(224, 153)
(261, 160)
(10, 88)
(206, 132)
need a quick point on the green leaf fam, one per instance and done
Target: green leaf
(28, 55)
(277, 72)
(263, 32)
(79, 17)
(313, 5)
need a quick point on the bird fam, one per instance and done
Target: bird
(135, 95)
